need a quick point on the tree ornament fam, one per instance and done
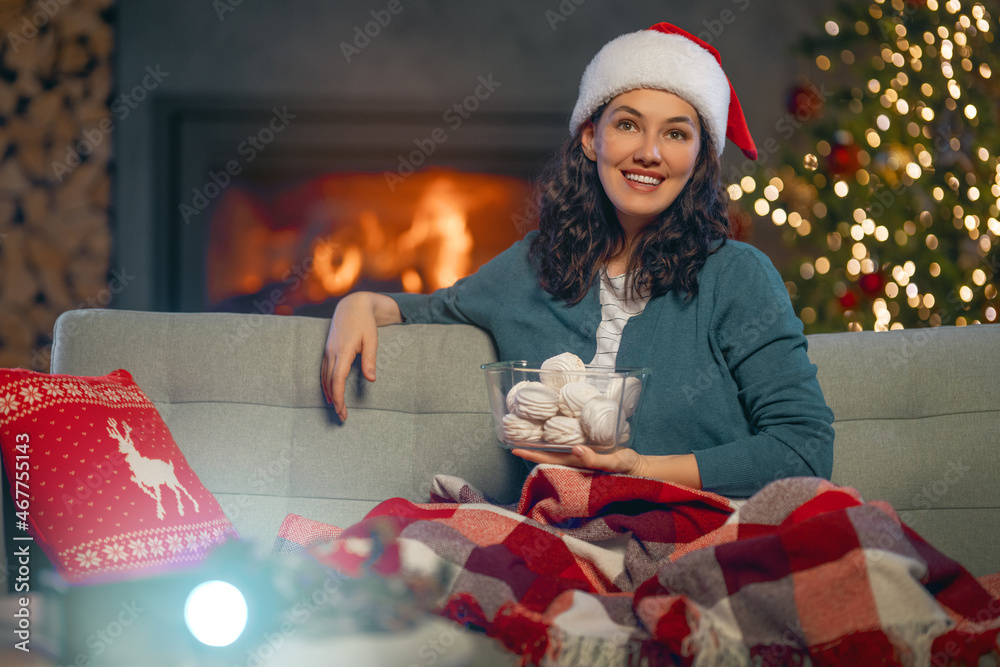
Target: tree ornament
(848, 300)
(805, 102)
(843, 160)
(871, 283)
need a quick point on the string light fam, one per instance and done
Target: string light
(900, 276)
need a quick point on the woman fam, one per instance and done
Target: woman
(631, 266)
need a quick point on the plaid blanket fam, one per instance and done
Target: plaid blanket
(600, 569)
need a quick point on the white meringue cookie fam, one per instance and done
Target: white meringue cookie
(574, 395)
(564, 431)
(533, 400)
(560, 369)
(523, 430)
(599, 418)
(511, 395)
(625, 391)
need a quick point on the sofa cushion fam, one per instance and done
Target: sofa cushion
(97, 479)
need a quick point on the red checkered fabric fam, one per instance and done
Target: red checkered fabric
(592, 569)
(297, 532)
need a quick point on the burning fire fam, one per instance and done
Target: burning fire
(438, 241)
(346, 231)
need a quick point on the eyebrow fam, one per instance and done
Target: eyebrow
(673, 119)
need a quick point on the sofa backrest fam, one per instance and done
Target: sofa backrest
(918, 424)
(241, 396)
(917, 420)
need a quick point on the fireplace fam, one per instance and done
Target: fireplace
(281, 207)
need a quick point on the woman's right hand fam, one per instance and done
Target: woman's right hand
(353, 331)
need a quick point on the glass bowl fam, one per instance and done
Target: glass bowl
(553, 410)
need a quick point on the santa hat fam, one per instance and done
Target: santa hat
(664, 57)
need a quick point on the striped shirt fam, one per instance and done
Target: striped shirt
(615, 312)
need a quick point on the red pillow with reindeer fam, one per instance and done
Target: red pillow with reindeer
(97, 479)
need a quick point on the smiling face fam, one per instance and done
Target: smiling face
(646, 145)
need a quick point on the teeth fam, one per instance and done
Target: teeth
(646, 180)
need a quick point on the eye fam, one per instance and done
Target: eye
(626, 125)
(679, 135)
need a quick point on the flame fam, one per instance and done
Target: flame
(337, 267)
(439, 227)
(433, 252)
(412, 282)
(432, 230)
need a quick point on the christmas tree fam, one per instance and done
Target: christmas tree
(889, 185)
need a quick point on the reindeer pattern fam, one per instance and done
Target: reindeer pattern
(148, 473)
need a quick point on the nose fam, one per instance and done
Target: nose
(648, 151)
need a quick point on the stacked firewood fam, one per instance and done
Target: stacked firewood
(55, 149)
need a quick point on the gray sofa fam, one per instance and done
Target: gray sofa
(917, 419)
(917, 416)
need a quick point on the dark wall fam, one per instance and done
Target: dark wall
(429, 54)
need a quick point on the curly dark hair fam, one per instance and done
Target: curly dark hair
(579, 230)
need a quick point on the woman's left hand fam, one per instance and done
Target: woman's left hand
(625, 461)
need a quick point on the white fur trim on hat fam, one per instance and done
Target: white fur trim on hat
(652, 59)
